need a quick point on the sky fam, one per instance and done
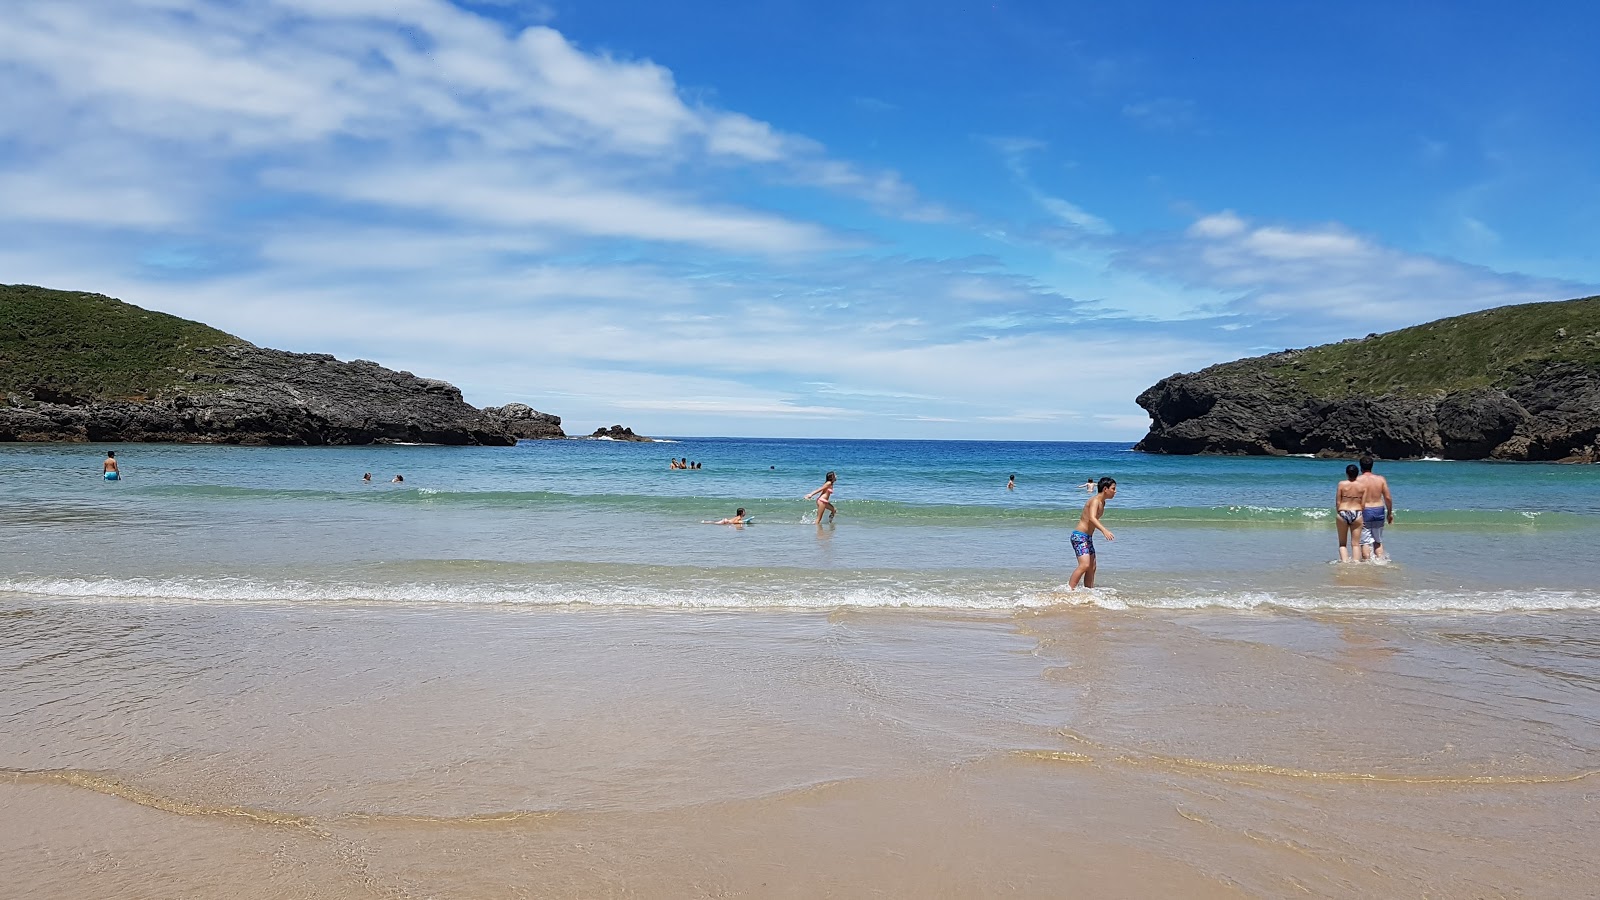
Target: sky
(874, 219)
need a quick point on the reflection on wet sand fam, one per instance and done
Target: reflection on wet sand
(347, 751)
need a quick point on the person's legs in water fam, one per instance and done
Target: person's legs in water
(1083, 546)
(1349, 534)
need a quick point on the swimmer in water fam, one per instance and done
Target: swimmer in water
(109, 467)
(738, 519)
(824, 497)
(398, 479)
(367, 477)
(1011, 483)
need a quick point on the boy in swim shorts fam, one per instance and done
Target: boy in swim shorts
(1083, 535)
(109, 467)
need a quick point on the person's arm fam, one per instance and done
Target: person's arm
(814, 493)
(1388, 500)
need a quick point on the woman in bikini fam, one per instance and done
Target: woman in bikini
(1347, 505)
(824, 497)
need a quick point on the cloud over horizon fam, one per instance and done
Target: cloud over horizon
(480, 193)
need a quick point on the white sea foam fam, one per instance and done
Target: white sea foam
(794, 596)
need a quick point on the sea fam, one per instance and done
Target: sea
(537, 671)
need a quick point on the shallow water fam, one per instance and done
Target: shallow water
(531, 672)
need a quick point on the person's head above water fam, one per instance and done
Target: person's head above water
(111, 454)
(1366, 463)
(1103, 484)
(830, 477)
(739, 511)
(1351, 471)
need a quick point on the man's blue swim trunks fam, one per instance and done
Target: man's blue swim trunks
(1372, 521)
(112, 476)
(1082, 544)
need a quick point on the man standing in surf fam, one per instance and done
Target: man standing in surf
(1377, 511)
(1083, 535)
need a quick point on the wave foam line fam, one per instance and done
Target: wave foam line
(112, 787)
(798, 596)
(803, 595)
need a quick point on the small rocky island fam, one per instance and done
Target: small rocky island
(1514, 383)
(619, 433)
(85, 367)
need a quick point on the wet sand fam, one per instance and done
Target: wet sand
(354, 750)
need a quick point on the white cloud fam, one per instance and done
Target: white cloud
(1014, 152)
(419, 105)
(1310, 278)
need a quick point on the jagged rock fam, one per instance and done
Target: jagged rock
(618, 433)
(253, 395)
(526, 422)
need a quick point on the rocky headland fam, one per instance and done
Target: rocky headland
(1514, 383)
(85, 367)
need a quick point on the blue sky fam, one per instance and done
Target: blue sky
(878, 219)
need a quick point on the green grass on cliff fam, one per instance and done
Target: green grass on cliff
(72, 346)
(1483, 349)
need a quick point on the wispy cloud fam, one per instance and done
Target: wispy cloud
(1325, 275)
(1015, 152)
(1163, 114)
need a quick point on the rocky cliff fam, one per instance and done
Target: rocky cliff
(84, 367)
(1515, 383)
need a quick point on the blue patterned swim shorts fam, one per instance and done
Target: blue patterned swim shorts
(1082, 544)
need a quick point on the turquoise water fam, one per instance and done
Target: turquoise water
(920, 524)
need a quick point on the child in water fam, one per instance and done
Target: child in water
(824, 497)
(1083, 536)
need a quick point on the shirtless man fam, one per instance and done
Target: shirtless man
(109, 467)
(1348, 500)
(1083, 536)
(1377, 510)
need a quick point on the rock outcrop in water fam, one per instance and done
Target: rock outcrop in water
(84, 367)
(525, 422)
(618, 433)
(1515, 383)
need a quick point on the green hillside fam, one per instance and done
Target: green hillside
(67, 346)
(1482, 349)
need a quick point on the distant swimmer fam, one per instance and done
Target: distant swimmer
(737, 519)
(367, 477)
(824, 497)
(1089, 485)
(1347, 505)
(1083, 536)
(1377, 510)
(1011, 483)
(398, 479)
(109, 467)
